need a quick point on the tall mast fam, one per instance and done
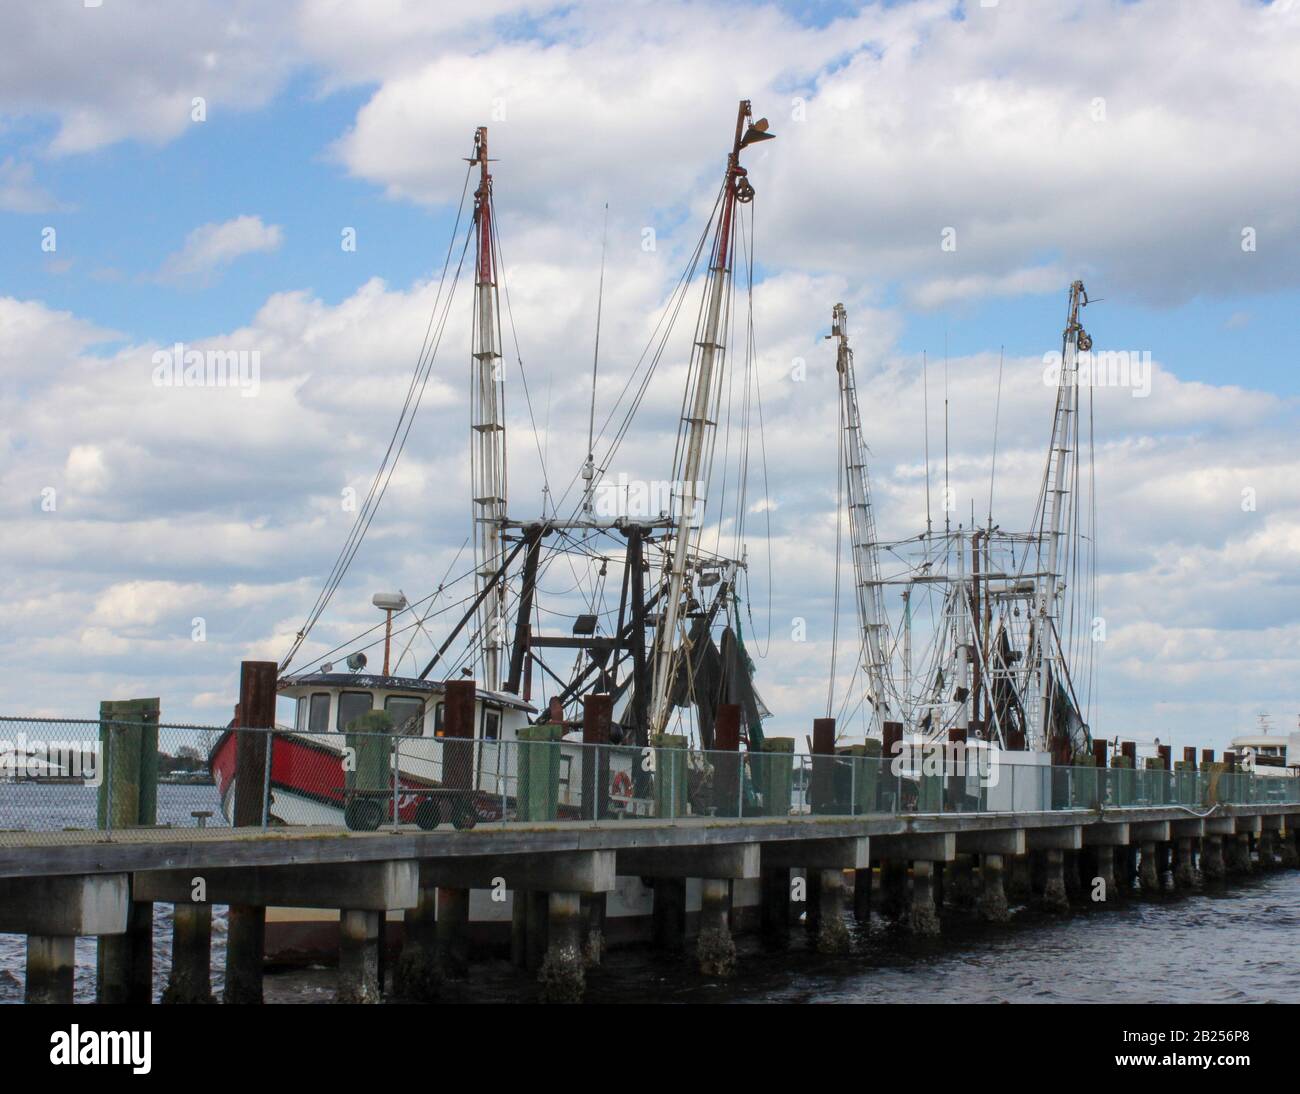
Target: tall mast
(689, 489)
(862, 526)
(487, 426)
(1056, 513)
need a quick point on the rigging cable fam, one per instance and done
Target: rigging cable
(415, 392)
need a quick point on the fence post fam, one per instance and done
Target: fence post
(672, 786)
(597, 714)
(397, 774)
(266, 779)
(506, 768)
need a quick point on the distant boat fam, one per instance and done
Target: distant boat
(1269, 753)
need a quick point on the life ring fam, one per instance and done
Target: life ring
(621, 787)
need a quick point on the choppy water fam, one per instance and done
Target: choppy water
(1238, 944)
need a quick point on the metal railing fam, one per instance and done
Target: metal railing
(64, 780)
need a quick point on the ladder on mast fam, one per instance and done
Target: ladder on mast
(862, 527)
(1056, 514)
(487, 427)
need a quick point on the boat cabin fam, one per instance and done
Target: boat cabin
(330, 702)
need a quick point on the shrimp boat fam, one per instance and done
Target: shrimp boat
(981, 659)
(653, 600)
(627, 634)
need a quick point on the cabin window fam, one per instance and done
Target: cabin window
(319, 719)
(437, 719)
(300, 716)
(407, 714)
(491, 725)
(352, 705)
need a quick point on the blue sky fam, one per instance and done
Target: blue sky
(894, 122)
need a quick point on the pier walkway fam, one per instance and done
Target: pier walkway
(344, 822)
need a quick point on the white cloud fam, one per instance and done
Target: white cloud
(129, 71)
(213, 246)
(228, 508)
(19, 191)
(945, 291)
(1019, 126)
(181, 502)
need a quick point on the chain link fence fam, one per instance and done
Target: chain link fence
(67, 780)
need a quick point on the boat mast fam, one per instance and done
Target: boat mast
(862, 526)
(1057, 512)
(688, 490)
(487, 426)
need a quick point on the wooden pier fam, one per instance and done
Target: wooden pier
(54, 892)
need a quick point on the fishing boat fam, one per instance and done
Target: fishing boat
(1269, 753)
(653, 606)
(990, 644)
(627, 635)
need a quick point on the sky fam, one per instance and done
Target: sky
(285, 178)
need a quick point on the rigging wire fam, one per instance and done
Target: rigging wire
(414, 395)
(500, 268)
(595, 355)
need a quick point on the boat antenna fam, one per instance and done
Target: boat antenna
(589, 468)
(997, 413)
(925, 395)
(947, 492)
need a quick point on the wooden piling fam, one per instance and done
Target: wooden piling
(246, 923)
(775, 908)
(359, 976)
(893, 889)
(190, 980)
(862, 896)
(597, 715)
(822, 788)
(536, 927)
(452, 932)
(992, 905)
(1052, 897)
(832, 935)
(923, 919)
(668, 915)
(715, 948)
(562, 975)
(128, 798)
(726, 761)
(458, 775)
(51, 960)
(1149, 869)
(417, 975)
